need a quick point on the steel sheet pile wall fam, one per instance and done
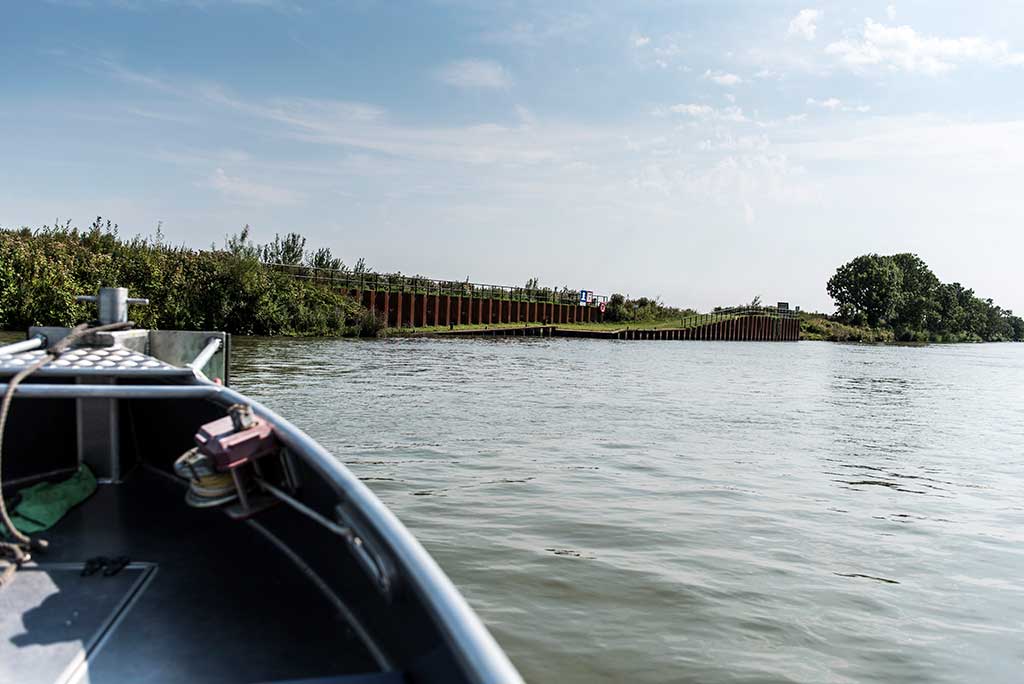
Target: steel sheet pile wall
(419, 310)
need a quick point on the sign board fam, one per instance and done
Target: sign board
(783, 306)
(602, 307)
(585, 296)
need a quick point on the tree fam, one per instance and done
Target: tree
(917, 307)
(952, 316)
(290, 250)
(867, 289)
(901, 292)
(322, 258)
(1016, 324)
(615, 309)
(240, 245)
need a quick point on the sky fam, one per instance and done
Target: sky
(703, 152)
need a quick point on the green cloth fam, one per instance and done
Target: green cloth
(43, 504)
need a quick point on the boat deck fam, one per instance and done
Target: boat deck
(206, 599)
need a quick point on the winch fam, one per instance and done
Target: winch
(225, 463)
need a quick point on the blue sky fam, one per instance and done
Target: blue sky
(705, 152)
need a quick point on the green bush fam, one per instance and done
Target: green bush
(42, 271)
(371, 324)
(643, 309)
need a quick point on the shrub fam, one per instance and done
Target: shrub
(42, 271)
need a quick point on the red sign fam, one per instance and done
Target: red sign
(602, 307)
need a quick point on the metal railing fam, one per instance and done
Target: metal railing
(396, 282)
(747, 310)
(729, 313)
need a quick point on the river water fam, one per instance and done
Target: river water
(694, 511)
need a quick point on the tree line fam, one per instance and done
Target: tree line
(900, 292)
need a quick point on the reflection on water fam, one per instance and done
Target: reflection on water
(673, 511)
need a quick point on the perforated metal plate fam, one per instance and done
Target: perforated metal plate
(87, 360)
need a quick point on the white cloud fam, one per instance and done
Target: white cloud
(543, 26)
(474, 73)
(355, 125)
(901, 48)
(830, 103)
(242, 190)
(526, 117)
(890, 11)
(722, 78)
(692, 109)
(835, 104)
(640, 41)
(699, 111)
(803, 24)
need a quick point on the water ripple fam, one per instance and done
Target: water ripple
(714, 512)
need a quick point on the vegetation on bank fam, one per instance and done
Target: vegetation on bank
(242, 288)
(899, 295)
(643, 310)
(41, 272)
(818, 326)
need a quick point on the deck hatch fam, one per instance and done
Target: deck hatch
(53, 620)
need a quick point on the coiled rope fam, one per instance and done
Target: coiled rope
(17, 552)
(207, 487)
